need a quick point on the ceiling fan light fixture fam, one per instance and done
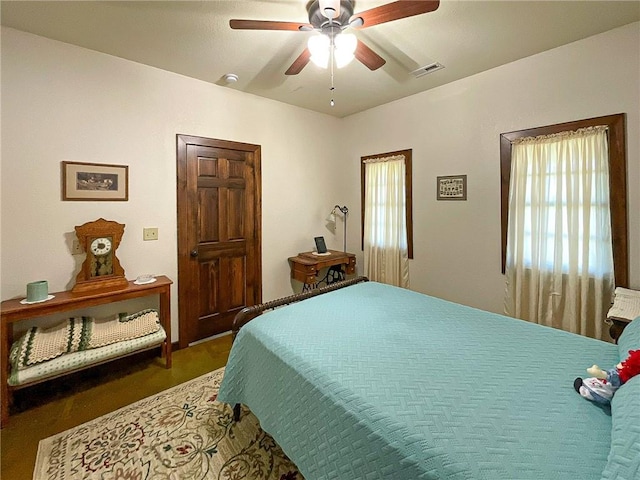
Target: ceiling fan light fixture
(319, 47)
(330, 8)
(356, 22)
(345, 45)
(331, 18)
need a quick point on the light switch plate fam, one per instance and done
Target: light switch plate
(150, 233)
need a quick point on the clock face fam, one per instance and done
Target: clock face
(100, 246)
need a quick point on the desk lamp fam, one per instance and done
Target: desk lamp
(332, 218)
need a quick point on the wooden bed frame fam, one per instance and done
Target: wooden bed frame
(247, 314)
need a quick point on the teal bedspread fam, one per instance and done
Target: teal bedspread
(377, 382)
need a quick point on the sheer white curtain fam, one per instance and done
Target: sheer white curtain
(386, 257)
(559, 268)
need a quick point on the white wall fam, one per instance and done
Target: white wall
(61, 102)
(455, 129)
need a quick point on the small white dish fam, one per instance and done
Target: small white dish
(144, 279)
(49, 297)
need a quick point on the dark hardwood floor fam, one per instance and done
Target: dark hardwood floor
(52, 407)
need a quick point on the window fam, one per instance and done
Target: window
(386, 217)
(564, 202)
(617, 183)
(407, 188)
(565, 208)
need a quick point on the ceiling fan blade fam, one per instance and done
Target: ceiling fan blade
(394, 11)
(299, 63)
(368, 57)
(268, 25)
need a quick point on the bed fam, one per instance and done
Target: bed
(371, 381)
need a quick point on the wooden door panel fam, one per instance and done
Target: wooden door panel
(208, 326)
(236, 169)
(219, 261)
(223, 293)
(237, 284)
(207, 166)
(236, 212)
(209, 287)
(217, 182)
(212, 310)
(209, 251)
(208, 208)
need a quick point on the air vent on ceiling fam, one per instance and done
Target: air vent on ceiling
(432, 67)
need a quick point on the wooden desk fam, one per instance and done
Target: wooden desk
(305, 267)
(13, 311)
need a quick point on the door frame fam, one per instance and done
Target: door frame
(185, 288)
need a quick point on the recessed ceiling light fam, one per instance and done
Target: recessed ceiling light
(231, 78)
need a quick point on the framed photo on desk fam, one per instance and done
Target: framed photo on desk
(321, 247)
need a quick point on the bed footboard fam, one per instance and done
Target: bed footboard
(247, 314)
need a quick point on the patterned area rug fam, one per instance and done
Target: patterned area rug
(181, 433)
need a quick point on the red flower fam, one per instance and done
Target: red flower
(184, 450)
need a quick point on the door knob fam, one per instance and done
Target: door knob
(194, 253)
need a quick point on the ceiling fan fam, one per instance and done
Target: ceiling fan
(330, 18)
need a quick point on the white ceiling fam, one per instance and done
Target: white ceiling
(194, 39)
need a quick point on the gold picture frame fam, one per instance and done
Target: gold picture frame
(95, 182)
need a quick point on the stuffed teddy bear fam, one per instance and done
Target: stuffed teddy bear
(601, 386)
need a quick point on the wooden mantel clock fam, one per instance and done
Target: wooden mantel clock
(101, 269)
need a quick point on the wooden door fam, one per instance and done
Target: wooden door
(219, 234)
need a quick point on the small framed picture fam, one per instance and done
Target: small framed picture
(95, 181)
(452, 187)
(320, 245)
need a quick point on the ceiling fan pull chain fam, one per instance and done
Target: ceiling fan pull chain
(331, 49)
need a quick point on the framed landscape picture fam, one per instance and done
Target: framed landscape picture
(95, 181)
(452, 187)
